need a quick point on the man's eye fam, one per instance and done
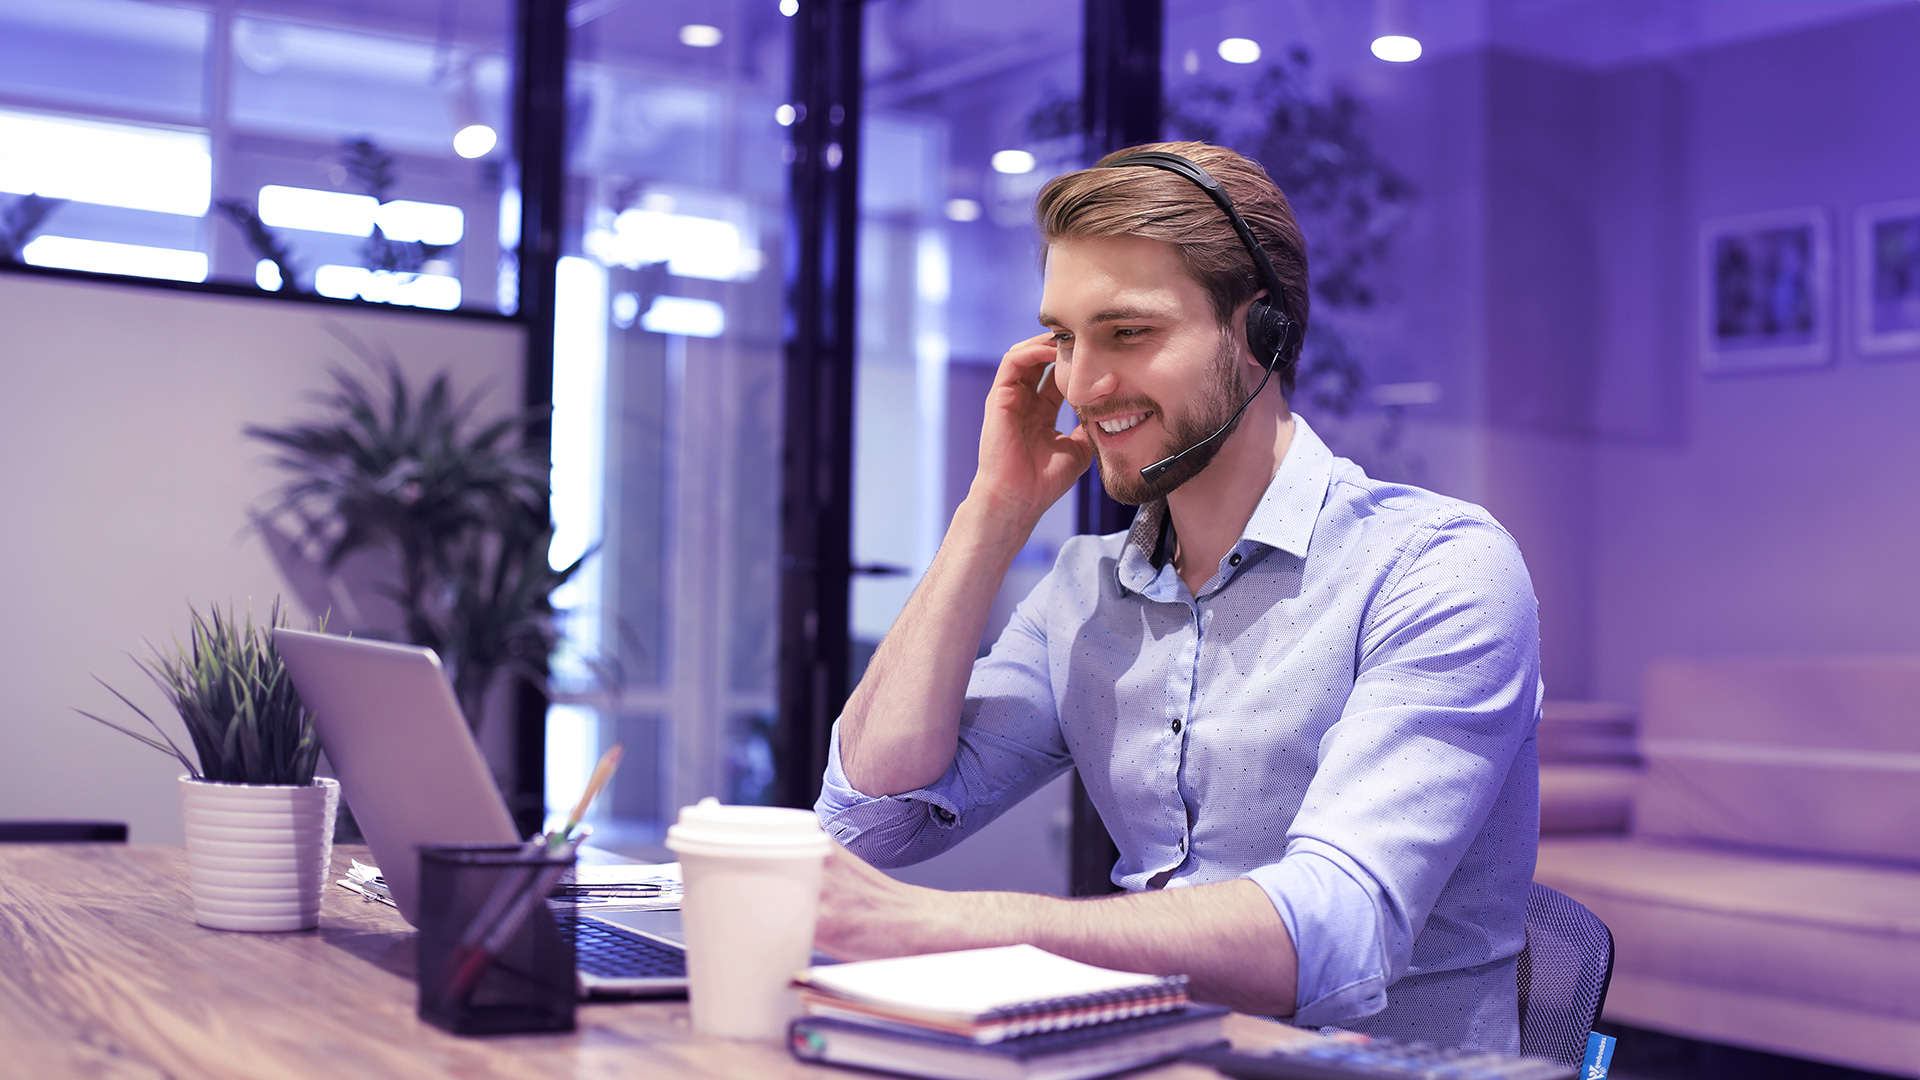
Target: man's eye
(1129, 331)
(1063, 338)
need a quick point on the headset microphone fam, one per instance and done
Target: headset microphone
(1268, 328)
(1154, 471)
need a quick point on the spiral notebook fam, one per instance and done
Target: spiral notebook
(985, 995)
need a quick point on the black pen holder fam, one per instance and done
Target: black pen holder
(492, 960)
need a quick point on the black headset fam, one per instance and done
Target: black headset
(1270, 333)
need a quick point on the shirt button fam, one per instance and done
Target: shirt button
(1233, 559)
(1176, 725)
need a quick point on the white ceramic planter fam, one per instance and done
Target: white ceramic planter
(258, 855)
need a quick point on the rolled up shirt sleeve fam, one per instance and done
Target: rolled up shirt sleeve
(1010, 746)
(1333, 917)
(1447, 692)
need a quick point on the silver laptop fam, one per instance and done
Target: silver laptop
(408, 765)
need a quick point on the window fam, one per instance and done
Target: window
(287, 145)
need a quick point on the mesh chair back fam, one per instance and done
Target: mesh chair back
(1564, 971)
(62, 832)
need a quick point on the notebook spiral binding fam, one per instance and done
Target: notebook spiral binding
(1080, 1010)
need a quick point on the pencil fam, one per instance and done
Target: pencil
(602, 773)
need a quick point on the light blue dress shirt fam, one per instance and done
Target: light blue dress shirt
(1344, 714)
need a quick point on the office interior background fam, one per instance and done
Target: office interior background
(1640, 277)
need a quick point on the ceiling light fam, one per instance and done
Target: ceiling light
(684, 316)
(690, 246)
(103, 257)
(419, 222)
(1012, 161)
(789, 8)
(139, 168)
(700, 35)
(317, 210)
(626, 308)
(784, 116)
(1395, 38)
(474, 141)
(1396, 48)
(963, 210)
(438, 291)
(1239, 50)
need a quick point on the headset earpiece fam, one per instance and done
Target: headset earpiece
(1267, 333)
(1270, 334)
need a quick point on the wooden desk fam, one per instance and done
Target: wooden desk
(104, 974)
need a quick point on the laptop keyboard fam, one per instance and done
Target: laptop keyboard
(615, 953)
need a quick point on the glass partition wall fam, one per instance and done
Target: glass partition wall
(667, 408)
(968, 108)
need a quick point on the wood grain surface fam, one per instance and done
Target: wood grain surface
(104, 974)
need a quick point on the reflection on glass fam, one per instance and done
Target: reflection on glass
(968, 111)
(104, 257)
(174, 127)
(1291, 89)
(107, 57)
(668, 405)
(329, 83)
(133, 166)
(970, 108)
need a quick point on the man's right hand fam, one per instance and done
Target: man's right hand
(901, 726)
(1026, 465)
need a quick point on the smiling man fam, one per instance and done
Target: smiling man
(1302, 699)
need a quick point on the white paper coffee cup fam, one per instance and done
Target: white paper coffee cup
(751, 876)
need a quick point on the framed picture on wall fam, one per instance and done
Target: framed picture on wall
(1887, 276)
(1764, 292)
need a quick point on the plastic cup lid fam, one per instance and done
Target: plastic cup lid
(709, 824)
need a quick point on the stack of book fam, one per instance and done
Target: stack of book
(1015, 1012)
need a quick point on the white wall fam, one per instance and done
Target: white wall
(125, 484)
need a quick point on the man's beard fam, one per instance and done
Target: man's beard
(1214, 405)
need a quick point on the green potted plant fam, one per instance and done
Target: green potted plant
(259, 824)
(461, 507)
(410, 473)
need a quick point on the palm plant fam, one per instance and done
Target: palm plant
(243, 716)
(465, 513)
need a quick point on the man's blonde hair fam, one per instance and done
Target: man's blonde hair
(1160, 205)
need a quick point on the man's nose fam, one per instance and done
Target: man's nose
(1089, 379)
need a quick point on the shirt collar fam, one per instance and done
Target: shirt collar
(1284, 518)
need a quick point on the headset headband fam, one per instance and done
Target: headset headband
(1174, 163)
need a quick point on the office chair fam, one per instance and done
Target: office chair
(1564, 971)
(62, 832)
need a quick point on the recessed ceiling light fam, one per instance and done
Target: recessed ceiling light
(1396, 48)
(1012, 161)
(963, 210)
(700, 35)
(789, 8)
(784, 116)
(1239, 50)
(475, 141)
